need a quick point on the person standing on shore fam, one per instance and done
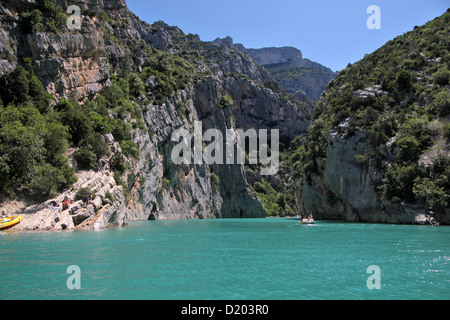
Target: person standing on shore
(89, 199)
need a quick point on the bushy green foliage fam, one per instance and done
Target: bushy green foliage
(34, 135)
(215, 179)
(75, 119)
(15, 86)
(109, 196)
(226, 101)
(429, 191)
(409, 149)
(273, 201)
(404, 81)
(268, 197)
(129, 148)
(281, 201)
(56, 140)
(49, 180)
(32, 139)
(119, 163)
(171, 73)
(47, 17)
(136, 85)
(182, 110)
(21, 149)
(96, 144)
(86, 159)
(413, 138)
(442, 77)
(435, 188)
(32, 21)
(399, 182)
(441, 103)
(361, 158)
(21, 86)
(82, 194)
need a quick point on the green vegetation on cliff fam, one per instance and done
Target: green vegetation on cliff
(36, 129)
(32, 138)
(399, 96)
(35, 132)
(45, 16)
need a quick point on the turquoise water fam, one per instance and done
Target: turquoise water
(262, 259)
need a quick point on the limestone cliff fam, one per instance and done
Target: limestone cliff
(112, 43)
(345, 190)
(300, 77)
(66, 62)
(378, 150)
(163, 190)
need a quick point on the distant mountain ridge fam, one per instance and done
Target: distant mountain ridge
(298, 76)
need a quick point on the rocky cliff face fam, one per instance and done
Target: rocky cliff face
(66, 62)
(345, 190)
(163, 190)
(81, 63)
(300, 77)
(376, 151)
(268, 56)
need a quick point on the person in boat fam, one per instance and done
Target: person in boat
(310, 217)
(66, 203)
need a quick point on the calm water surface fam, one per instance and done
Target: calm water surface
(262, 259)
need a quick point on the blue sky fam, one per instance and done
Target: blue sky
(331, 32)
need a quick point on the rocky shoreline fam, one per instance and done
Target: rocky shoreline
(101, 213)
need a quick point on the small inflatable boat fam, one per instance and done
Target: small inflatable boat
(9, 222)
(307, 221)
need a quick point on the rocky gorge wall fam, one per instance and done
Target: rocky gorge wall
(65, 62)
(303, 78)
(347, 189)
(80, 63)
(164, 190)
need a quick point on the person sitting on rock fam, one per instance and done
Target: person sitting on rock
(66, 203)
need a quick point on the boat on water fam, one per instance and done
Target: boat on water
(9, 222)
(307, 221)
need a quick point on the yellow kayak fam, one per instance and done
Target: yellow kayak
(9, 222)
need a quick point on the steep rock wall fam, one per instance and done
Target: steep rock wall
(79, 64)
(347, 189)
